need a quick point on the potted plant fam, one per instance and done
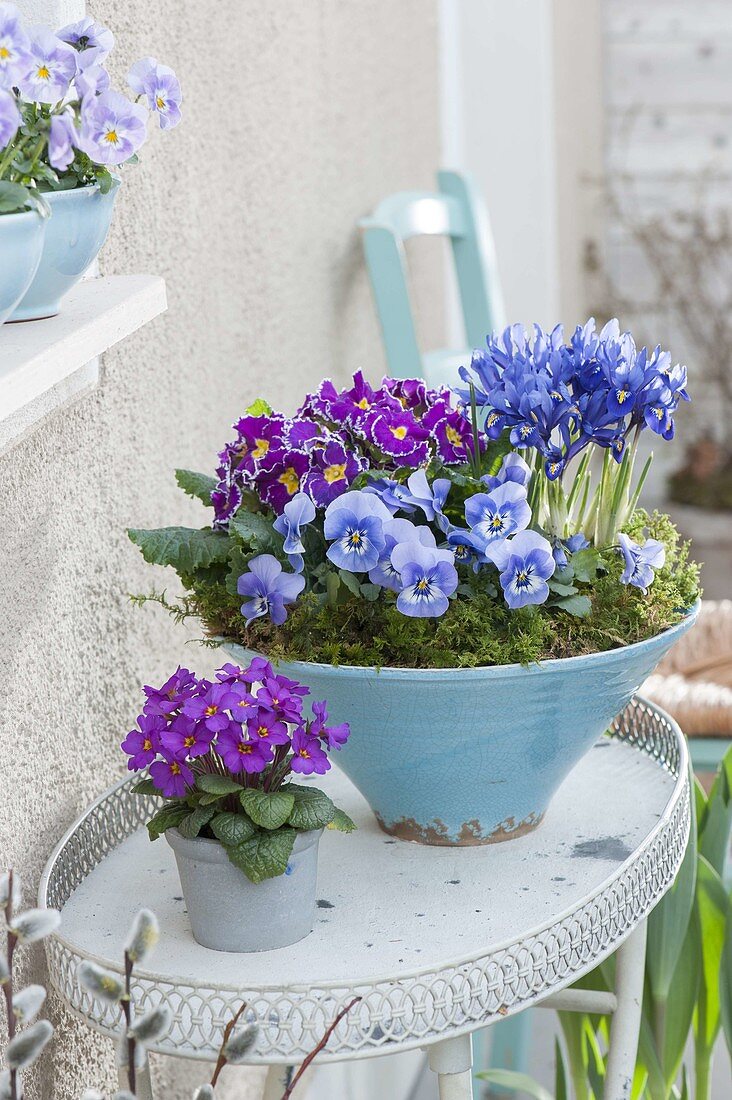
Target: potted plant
(450, 569)
(223, 755)
(63, 131)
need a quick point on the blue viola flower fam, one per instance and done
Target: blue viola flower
(394, 494)
(498, 514)
(428, 577)
(560, 547)
(640, 561)
(354, 523)
(270, 589)
(467, 546)
(297, 514)
(525, 563)
(513, 468)
(397, 531)
(430, 498)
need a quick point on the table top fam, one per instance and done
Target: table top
(436, 940)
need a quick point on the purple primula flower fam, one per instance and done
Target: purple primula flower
(640, 561)
(260, 670)
(51, 68)
(231, 674)
(513, 468)
(168, 698)
(500, 513)
(276, 696)
(268, 727)
(332, 469)
(292, 686)
(452, 431)
(210, 706)
(395, 532)
(308, 756)
(298, 513)
(271, 589)
(334, 736)
(428, 577)
(172, 777)
(161, 87)
(411, 393)
(15, 54)
(62, 140)
(112, 128)
(281, 477)
(9, 117)
(143, 743)
(525, 563)
(354, 524)
(88, 35)
(185, 737)
(242, 704)
(243, 755)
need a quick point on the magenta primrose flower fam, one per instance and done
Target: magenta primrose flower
(210, 707)
(240, 754)
(309, 757)
(144, 743)
(266, 725)
(171, 776)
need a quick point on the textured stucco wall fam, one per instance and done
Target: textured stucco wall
(299, 116)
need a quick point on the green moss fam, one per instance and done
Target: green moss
(474, 632)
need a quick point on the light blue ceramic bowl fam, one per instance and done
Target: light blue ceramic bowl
(473, 756)
(21, 244)
(77, 229)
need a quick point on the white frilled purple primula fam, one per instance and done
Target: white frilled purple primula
(62, 125)
(420, 500)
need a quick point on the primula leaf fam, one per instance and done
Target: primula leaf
(260, 407)
(265, 855)
(145, 786)
(268, 809)
(256, 531)
(585, 564)
(312, 809)
(580, 606)
(342, 822)
(185, 548)
(196, 485)
(192, 823)
(217, 784)
(168, 816)
(232, 829)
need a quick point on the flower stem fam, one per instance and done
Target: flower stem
(127, 1010)
(476, 433)
(11, 941)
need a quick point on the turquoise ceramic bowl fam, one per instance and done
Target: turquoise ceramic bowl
(21, 244)
(77, 229)
(473, 756)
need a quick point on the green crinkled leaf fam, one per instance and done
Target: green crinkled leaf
(265, 855)
(239, 559)
(145, 786)
(585, 564)
(312, 810)
(196, 485)
(232, 829)
(185, 548)
(581, 606)
(168, 816)
(342, 822)
(192, 823)
(217, 784)
(256, 531)
(268, 809)
(260, 407)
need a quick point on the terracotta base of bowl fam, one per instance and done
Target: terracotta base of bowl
(470, 834)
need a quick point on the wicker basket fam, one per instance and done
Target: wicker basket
(694, 682)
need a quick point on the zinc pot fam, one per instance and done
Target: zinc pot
(21, 244)
(228, 912)
(473, 756)
(77, 229)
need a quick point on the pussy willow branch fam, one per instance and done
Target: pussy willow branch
(313, 1053)
(221, 1060)
(11, 941)
(127, 1010)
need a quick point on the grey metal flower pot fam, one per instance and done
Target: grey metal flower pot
(229, 913)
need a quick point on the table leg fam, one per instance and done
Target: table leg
(630, 962)
(278, 1078)
(143, 1084)
(452, 1061)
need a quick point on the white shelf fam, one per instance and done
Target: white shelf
(39, 356)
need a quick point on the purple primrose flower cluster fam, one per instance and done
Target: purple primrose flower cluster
(336, 435)
(63, 76)
(248, 723)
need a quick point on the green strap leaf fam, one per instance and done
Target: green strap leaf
(269, 809)
(192, 823)
(515, 1082)
(712, 906)
(199, 486)
(725, 982)
(185, 548)
(312, 809)
(232, 829)
(167, 817)
(265, 855)
(342, 822)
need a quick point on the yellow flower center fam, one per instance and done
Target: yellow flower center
(355, 538)
(363, 404)
(290, 480)
(4, 53)
(111, 137)
(422, 584)
(521, 577)
(525, 431)
(160, 103)
(398, 433)
(147, 744)
(453, 436)
(211, 710)
(261, 448)
(622, 396)
(263, 731)
(334, 473)
(497, 522)
(175, 768)
(304, 752)
(491, 419)
(189, 741)
(244, 703)
(43, 73)
(658, 414)
(244, 748)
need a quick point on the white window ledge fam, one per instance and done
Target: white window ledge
(45, 364)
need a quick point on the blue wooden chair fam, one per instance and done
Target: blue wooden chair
(454, 211)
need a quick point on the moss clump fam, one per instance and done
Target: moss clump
(473, 632)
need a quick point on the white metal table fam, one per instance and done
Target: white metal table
(437, 942)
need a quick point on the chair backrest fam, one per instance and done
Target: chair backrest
(455, 211)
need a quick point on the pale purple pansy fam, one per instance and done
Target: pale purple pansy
(112, 128)
(14, 46)
(270, 589)
(161, 87)
(62, 141)
(640, 561)
(51, 67)
(428, 577)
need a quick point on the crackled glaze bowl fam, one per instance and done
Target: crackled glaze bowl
(473, 756)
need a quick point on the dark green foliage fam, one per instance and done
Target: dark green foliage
(198, 486)
(186, 549)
